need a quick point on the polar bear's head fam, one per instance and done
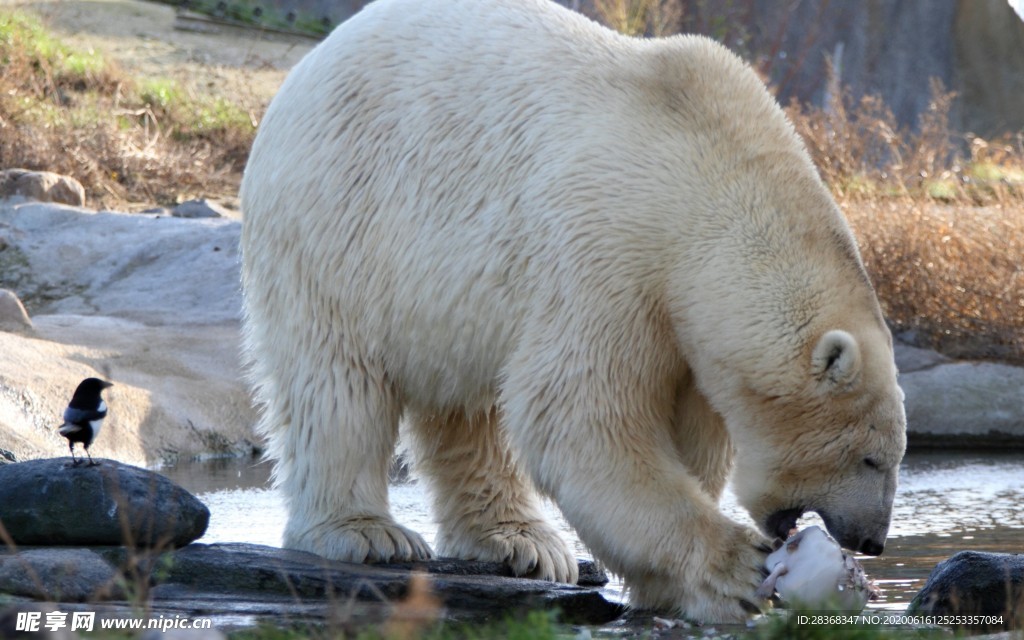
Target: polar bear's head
(833, 446)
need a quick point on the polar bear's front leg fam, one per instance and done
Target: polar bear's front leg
(333, 439)
(486, 510)
(594, 426)
(648, 519)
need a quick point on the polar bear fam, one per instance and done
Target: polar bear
(572, 263)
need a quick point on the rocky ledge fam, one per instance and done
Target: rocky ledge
(116, 536)
(959, 404)
(284, 586)
(150, 301)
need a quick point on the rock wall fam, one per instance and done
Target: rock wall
(894, 48)
(989, 66)
(150, 302)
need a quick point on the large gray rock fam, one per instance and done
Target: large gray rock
(51, 502)
(909, 359)
(44, 186)
(975, 583)
(965, 404)
(888, 48)
(147, 268)
(58, 575)
(253, 573)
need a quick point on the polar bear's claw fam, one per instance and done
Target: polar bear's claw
(541, 554)
(750, 607)
(530, 549)
(719, 584)
(362, 539)
(744, 574)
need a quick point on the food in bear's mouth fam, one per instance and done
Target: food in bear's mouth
(809, 569)
(783, 522)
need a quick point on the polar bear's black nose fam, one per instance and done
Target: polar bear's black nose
(871, 548)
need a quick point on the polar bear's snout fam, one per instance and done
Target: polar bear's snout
(864, 537)
(857, 521)
(856, 508)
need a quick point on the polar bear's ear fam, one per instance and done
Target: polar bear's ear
(836, 360)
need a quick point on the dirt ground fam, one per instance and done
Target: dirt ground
(141, 37)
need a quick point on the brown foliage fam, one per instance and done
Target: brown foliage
(939, 218)
(92, 122)
(950, 274)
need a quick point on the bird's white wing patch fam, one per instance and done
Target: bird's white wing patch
(68, 429)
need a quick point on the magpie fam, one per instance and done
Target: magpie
(84, 415)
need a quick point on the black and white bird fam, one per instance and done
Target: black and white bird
(84, 415)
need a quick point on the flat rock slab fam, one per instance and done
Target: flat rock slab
(63, 575)
(591, 574)
(280, 586)
(148, 268)
(240, 569)
(975, 583)
(964, 404)
(51, 502)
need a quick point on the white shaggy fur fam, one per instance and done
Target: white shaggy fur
(613, 257)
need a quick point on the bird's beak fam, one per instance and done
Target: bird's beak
(107, 384)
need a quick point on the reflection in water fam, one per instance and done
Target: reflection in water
(947, 502)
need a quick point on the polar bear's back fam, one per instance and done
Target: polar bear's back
(425, 114)
(410, 149)
(431, 162)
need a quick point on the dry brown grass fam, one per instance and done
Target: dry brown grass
(939, 218)
(863, 154)
(640, 17)
(950, 274)
(78, 114)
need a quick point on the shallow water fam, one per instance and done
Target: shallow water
(947, 502)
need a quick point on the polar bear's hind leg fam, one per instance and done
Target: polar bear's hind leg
(333, 459)
(486, 509)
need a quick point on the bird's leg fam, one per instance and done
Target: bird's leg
(91, 462)
(74, 460)
(768, 587)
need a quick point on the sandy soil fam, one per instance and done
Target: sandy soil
(142, 38)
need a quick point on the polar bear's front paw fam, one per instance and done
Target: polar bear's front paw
(530, 549)
(361, 539)
(734, 572)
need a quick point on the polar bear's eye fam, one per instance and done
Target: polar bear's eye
(871, 463)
